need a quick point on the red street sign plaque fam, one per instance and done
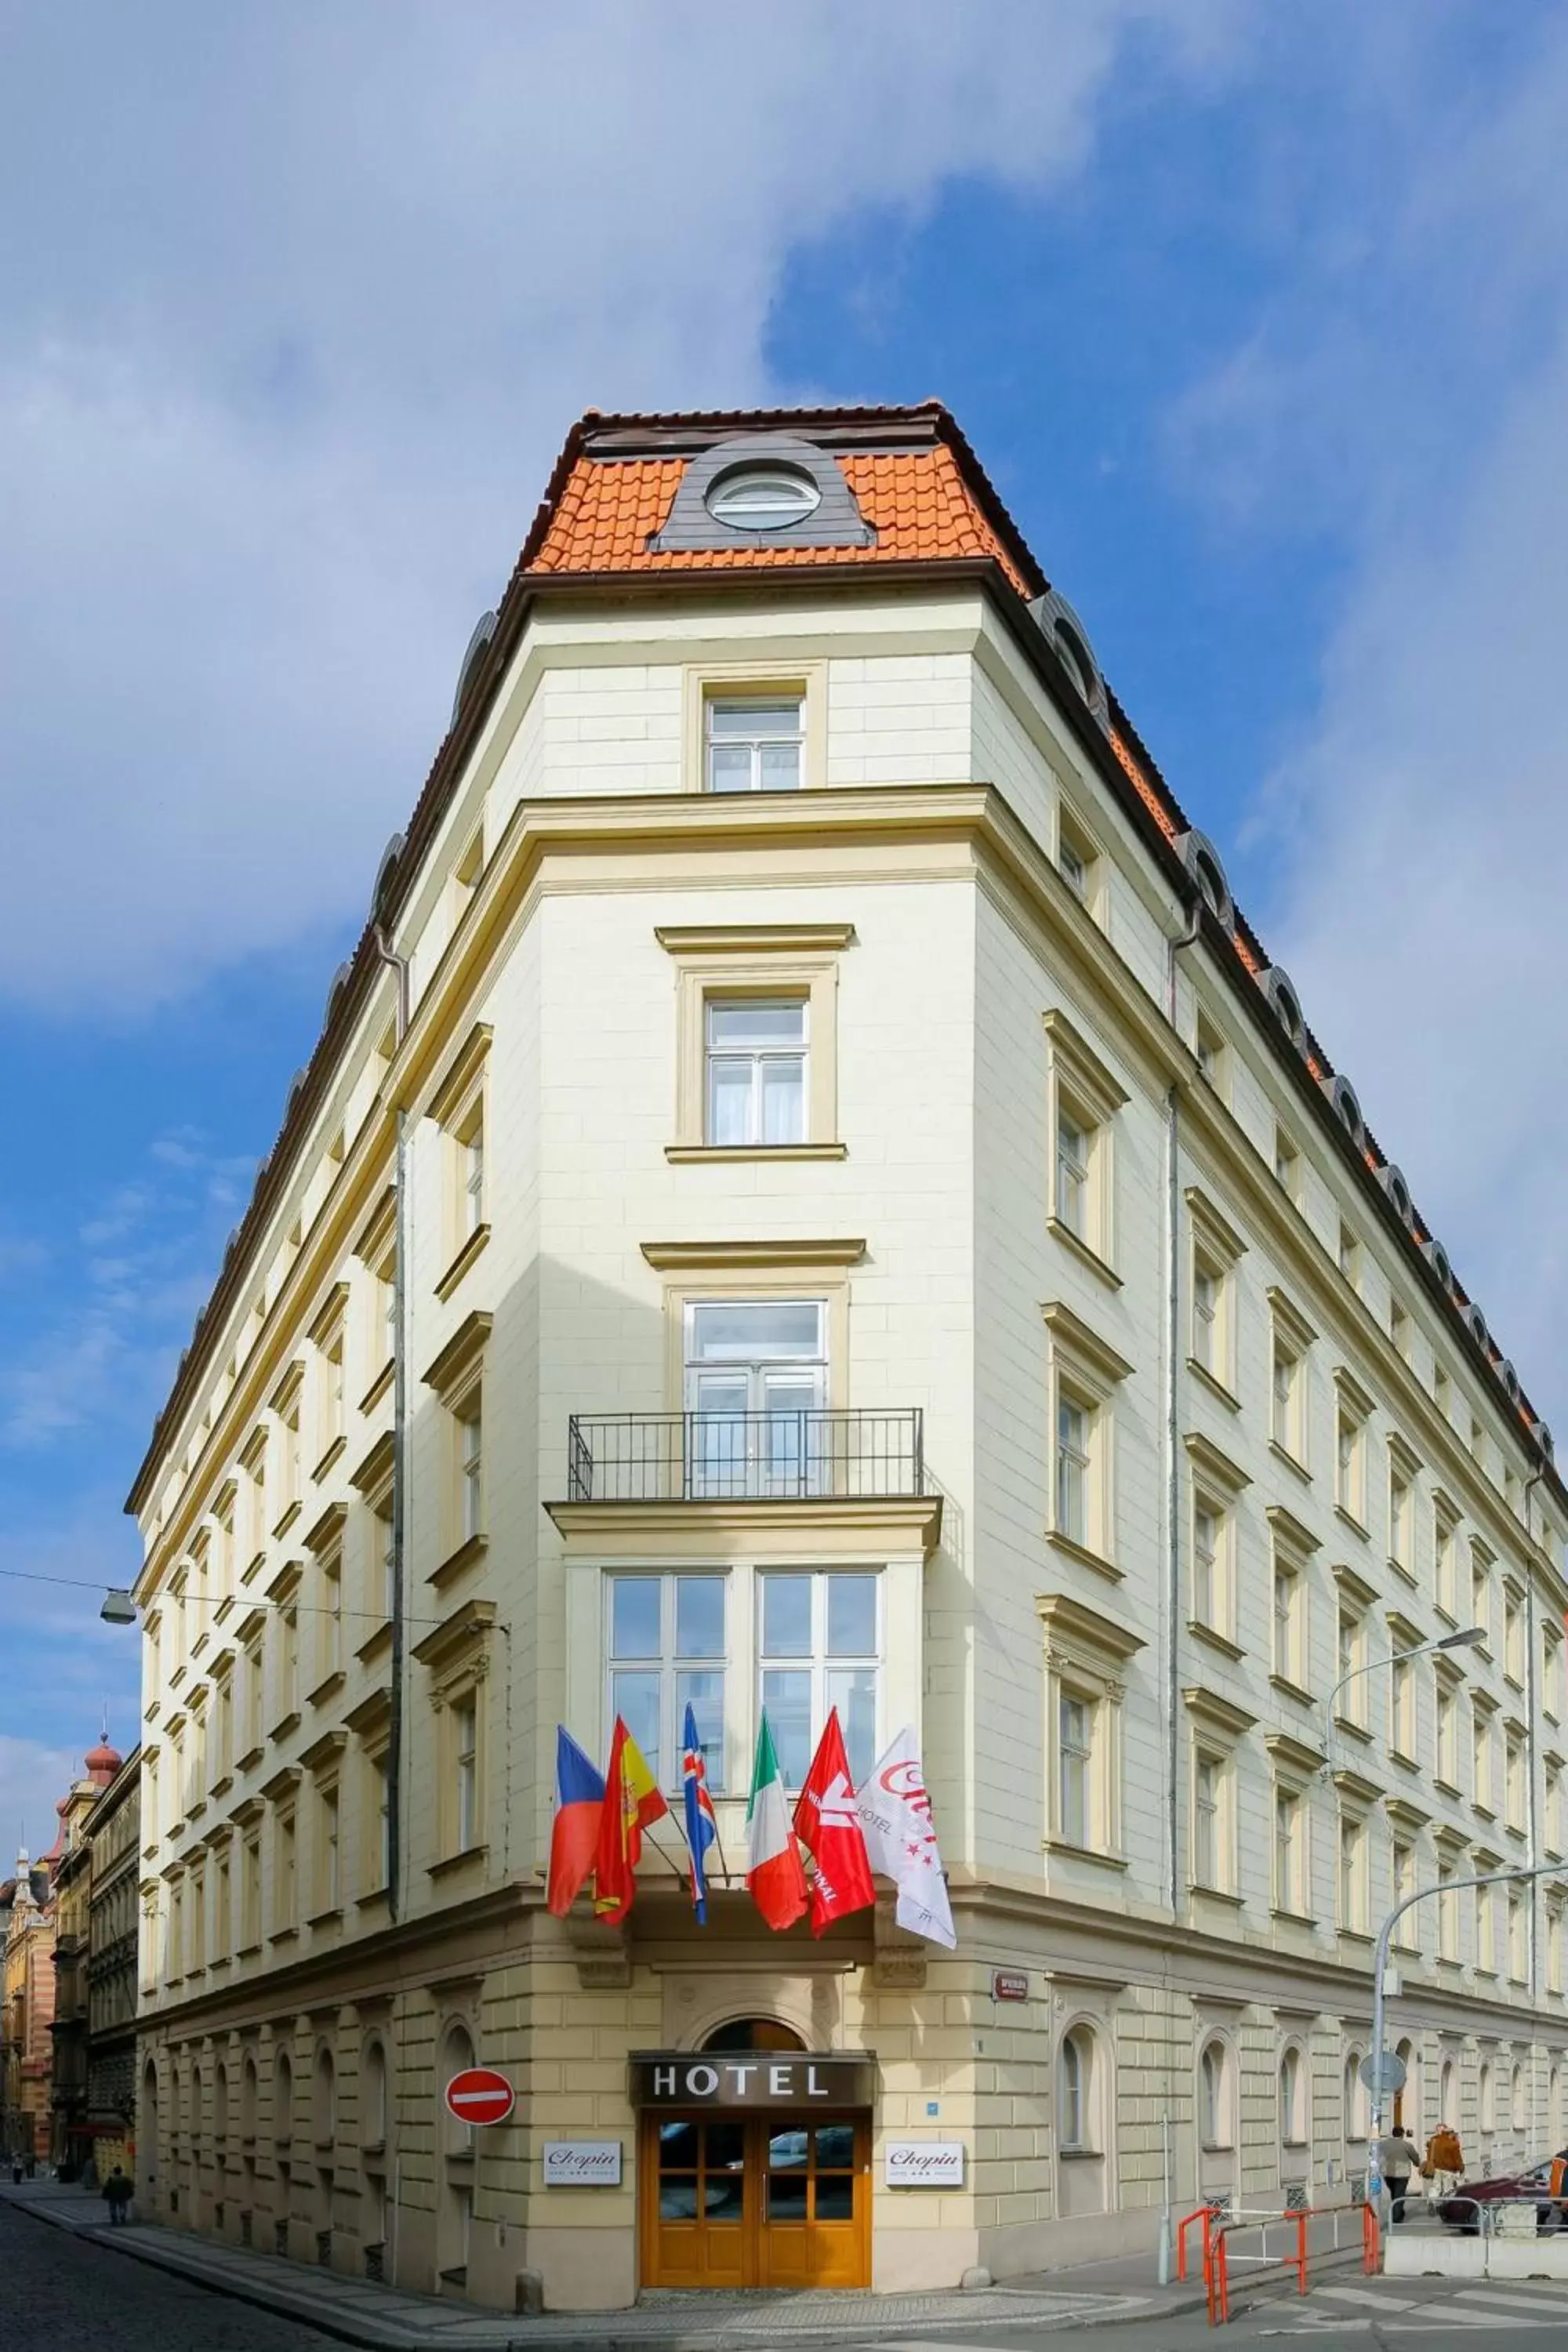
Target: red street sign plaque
(480, 2095)
(1009, 1984)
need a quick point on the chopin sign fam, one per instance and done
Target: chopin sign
(582, 2163)
(924, 2164)
(753, 2078)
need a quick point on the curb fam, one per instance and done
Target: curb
(386, 2336)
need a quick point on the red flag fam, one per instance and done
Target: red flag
(632, 1799)
(827, 1823)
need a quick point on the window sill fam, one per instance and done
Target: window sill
(1446, 1787)
(287, 1521)
(1514, 1682)
(1080, 2155)
(375, 1894)
(696, 1155)
(452, 1863)
(221, 1787)
(1406, 1575)
(224, 1610)
(1355, 1730)
(1283, 1453)
(285, 1725)
(326, 1688)
(327, 1918)
(378, 1387)
(1085, 1854)
(1484, 1812)
(1214, 1385)
(472, 1250)
(250, 1574)
(1347, 1519)
(1289, 1689)
(375, 1643)
(1085, 1253)
(329, 1460)
(469, 1554)
(1293, 1919)
(1072, 1550)
(1441, 1608)
(1217, 1894)
(252, 1756)
(284, 1936)
(248, 1951)
(1212, 1639)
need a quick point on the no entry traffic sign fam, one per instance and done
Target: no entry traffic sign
(480, 2095)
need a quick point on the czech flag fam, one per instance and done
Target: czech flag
(702, 1829)
(632, 1799)
(574, 1840)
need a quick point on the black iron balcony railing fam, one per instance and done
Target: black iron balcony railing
(681, 1458)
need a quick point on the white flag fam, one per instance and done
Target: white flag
(900, 1840)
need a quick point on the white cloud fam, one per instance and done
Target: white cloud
(286, 357)
(1415, 394)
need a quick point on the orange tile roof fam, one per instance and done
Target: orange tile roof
(916, 500)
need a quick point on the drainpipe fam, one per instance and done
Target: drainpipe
(1173, 1403)
(399, 965)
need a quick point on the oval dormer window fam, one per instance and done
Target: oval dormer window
(762, 498)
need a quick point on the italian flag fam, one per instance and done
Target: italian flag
(774, 1872)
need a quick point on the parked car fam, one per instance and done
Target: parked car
(1459, 2212)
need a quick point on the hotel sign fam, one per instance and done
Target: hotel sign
(924, 2164)
(753, 2078)
(582, 2163)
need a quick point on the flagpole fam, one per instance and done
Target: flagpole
(659, 1847)
(724, 1861)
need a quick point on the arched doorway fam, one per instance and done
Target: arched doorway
(455, 2189)
(766, 2183)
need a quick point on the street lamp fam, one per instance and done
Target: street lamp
(1379, 1966)
(1470, 1638)
(118, 1609)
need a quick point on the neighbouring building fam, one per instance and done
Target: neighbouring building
(113, 1833)
(70, 2142)
(809, 1191)
(26, 2009)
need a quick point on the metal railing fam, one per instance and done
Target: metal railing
(682, 1458)
(1286, 2242)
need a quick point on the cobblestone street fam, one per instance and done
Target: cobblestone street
(62, 2294)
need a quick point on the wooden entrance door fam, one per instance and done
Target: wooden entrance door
(779, 2201)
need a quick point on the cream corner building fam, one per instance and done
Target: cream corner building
(808, 1190)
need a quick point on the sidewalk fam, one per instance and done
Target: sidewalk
(1094, 2295)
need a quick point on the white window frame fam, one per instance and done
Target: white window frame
(1085, 1094)
(1083, 1374)
(671, 1667)
(759, 699)
(758, 1059)
(1353, 1871)
(1289, 1412)
(820, 1663)
(1085, 1654)
(805, 1469)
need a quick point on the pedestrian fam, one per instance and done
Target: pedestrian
(1443, 2166)
(1395, 2158)
(116, 2196)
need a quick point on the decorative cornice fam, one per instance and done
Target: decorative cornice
(752, 939)
(1082, 1343)
(461, 1072)
(757, 1256)
(460, 1354)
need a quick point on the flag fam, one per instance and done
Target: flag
(773, 1869)
(574, 1836)
(631, 1800)
(829, 1825)
(702, 1829)
(900, 1840)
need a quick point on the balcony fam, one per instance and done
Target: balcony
(726, 1457)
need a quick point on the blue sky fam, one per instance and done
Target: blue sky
(1257, 316)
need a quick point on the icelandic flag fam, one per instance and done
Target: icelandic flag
(702, 1829)
(579, 1802)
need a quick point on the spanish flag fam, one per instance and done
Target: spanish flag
(632, 1799)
